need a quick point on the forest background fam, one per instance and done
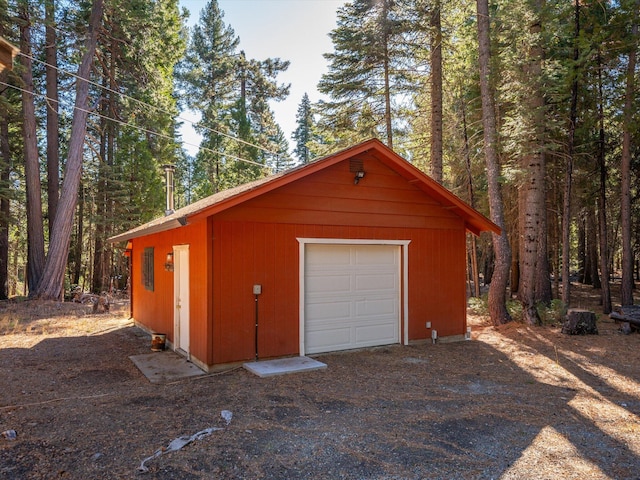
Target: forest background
(526, 109)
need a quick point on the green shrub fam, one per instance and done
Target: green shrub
(479, 305)
(552, 314)
(514, 307)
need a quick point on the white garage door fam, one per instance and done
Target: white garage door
(352, 296)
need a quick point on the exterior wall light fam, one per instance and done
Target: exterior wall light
(359, 174)
(7, 53)
(168, 263)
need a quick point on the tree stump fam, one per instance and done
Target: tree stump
(580, 322)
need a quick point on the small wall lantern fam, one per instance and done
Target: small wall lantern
(7, 53)
(168, 263)
(359, 175)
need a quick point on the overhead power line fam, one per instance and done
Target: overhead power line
(137, 127)
(145, 104)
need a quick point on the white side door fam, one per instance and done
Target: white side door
(181, 298)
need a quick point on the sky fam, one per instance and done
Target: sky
(294, 30)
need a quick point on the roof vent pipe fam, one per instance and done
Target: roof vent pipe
(168, 170)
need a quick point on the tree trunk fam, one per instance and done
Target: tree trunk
(625, 170)
(102, 251)
(77, 252)
(473, 249)
(497, 290)
(112, 131)
(101, 200)
(602, 201)
(52, 281)
(544, 293)
(582, 250)
(5, 205)
(488, 262)
(556, 253)
(542, 275)
(533, 193)
(592, 246)
(97, 279)
(53, 143)
(35, 231)
(517, 239)
(13, 279)
(530, 242)
(436, 92)
(5, 173)
(515, 270)
(604, 249)
(387, 83)
(107, 250)
(568, 175)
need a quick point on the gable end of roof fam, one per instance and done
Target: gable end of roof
(474, 221)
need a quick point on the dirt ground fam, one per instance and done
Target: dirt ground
(515, 402)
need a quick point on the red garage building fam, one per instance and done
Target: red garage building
(354, 250)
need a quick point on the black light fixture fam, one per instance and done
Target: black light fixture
(359, 175)
(168, 263)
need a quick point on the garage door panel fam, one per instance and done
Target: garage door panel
(376, 255)
(377, 307)
(329, 340)
(325, 256)
(320, 284)
(324, 311)
(371, 335)
(352, 295)
(376, 282)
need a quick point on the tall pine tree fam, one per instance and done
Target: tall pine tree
(368, 77)
(232, 94)
(302, 134)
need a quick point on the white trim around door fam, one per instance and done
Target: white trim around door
(181, 315)
(404, 273)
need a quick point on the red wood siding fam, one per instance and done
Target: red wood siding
(256, 243)
(383, 198)
(154, 309)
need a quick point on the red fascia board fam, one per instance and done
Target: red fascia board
(474, 220)
(280, 181)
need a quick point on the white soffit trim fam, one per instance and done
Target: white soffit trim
(351, 241)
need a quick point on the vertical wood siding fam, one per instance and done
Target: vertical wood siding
(256, 243)
(154, 309)
(266, 254)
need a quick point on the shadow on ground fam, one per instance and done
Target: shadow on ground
(480, 409)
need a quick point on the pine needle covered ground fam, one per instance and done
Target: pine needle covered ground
(516, 402)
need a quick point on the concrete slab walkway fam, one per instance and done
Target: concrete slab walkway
(165, 367)
(282, 366)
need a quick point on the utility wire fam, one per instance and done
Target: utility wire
(137, 127)
(140, 102)
(231, 137)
